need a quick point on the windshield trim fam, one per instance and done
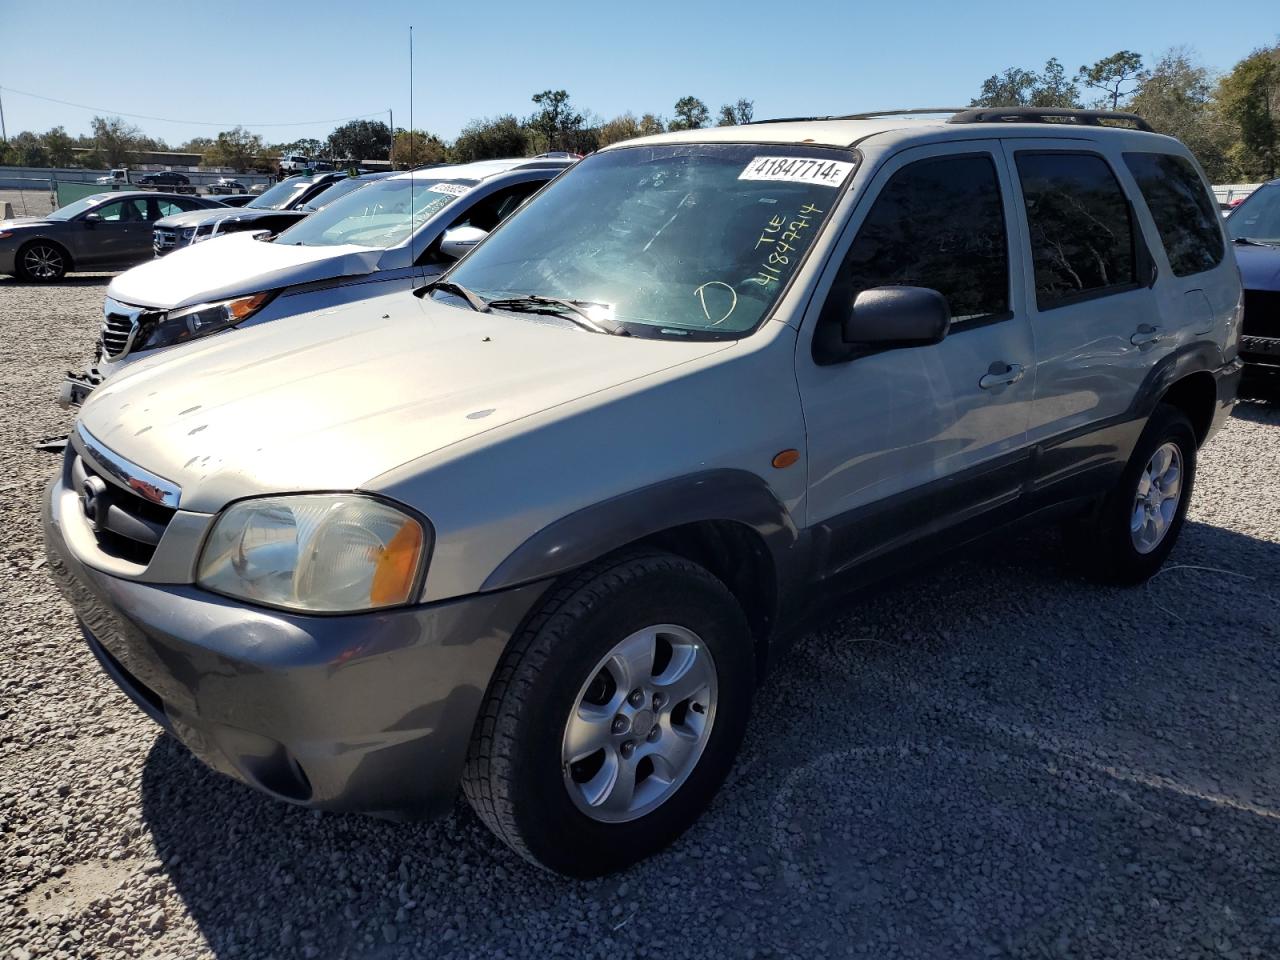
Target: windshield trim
(656, 330)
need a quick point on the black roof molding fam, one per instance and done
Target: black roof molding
(1089, 118)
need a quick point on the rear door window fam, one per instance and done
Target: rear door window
(937, 223)
(1080, 224)
(1180, 205)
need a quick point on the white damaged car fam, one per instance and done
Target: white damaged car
(394, 234)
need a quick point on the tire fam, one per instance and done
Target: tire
(42, 261)
(1105, 545)
(517, 777)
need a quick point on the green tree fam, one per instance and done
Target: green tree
(691, 114)
(413, 149)
(490, 139)
(359, 140)
(650, 124)
(1052, 88)
(732, 114)
(1176, 97)
(235, 148)
(1017, 87)
(24, 149)
(1248, 98)
(556, 123)
(1112, 75)
(624, 127)
(115, 140)
(59, 147)
(1009, 89)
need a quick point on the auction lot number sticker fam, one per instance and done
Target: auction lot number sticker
(826, 173)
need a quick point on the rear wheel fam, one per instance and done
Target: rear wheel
(615, 715)
(42, 261)
(1135, 527)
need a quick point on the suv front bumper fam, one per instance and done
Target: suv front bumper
(369, 713)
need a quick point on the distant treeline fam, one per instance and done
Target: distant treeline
(1231, 121)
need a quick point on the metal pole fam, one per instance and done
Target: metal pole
(4, 136)
(391, 122)
(412, 216)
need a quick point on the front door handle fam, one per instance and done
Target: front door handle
(1011, 374)
(1146, 335)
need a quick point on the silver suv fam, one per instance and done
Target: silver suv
(539, 531)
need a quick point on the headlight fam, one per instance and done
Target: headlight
(188, 232)
(191, 323)
(318, 553)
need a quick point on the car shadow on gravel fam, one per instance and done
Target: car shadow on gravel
(75, 280)
(993, 758)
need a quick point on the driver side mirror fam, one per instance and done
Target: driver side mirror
(897, 317)
(456, 242)
(92, 219)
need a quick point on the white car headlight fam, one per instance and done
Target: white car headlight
(191, 323)
(316, 553)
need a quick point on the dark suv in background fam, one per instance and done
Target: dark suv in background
(1255, 228)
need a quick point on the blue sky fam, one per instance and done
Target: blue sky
(255, 62)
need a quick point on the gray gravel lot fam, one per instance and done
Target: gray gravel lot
(991, 759)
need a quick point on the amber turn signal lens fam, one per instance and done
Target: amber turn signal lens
(786, 458)
(397, 566)
(245, 305)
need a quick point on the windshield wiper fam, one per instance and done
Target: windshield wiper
(474, 300)
(1250, 242)
(536, 303)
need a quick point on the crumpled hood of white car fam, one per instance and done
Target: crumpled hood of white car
(332, 399)
(232, 266)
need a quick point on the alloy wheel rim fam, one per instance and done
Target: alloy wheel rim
(639, 723)
(42, 261)
(1156, 503)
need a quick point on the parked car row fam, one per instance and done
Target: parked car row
(539, 466)
(1254, 225)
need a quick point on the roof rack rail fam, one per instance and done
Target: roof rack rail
(863, 116)
(1090, 118)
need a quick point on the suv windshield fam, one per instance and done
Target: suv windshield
(339, 188)
(281, 195)
(694, 240)
(1258, 218)
(377, 216)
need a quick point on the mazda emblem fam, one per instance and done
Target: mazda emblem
(93, 501)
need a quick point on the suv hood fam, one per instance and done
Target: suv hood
(1259, 267)
(232, 266)
(332, 399)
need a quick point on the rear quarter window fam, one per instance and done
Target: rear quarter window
(1080, 224)
(1181, 207)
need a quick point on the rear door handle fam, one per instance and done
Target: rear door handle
(1146, 335)
(1012, 373)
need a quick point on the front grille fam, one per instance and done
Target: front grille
(126, 525)
(117, 331)
(163, 239)
(1261, 313)
(120, 325)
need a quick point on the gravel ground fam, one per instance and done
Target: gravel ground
(993, 759)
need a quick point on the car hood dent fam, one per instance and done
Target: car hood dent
(331, 400)
(1259, 267)
(235, 265)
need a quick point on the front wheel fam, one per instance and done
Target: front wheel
(614, 716)
(42, 262)
(1135, 527)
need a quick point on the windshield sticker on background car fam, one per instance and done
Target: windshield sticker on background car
(452, 189)
(782, 244)
(825, 173)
